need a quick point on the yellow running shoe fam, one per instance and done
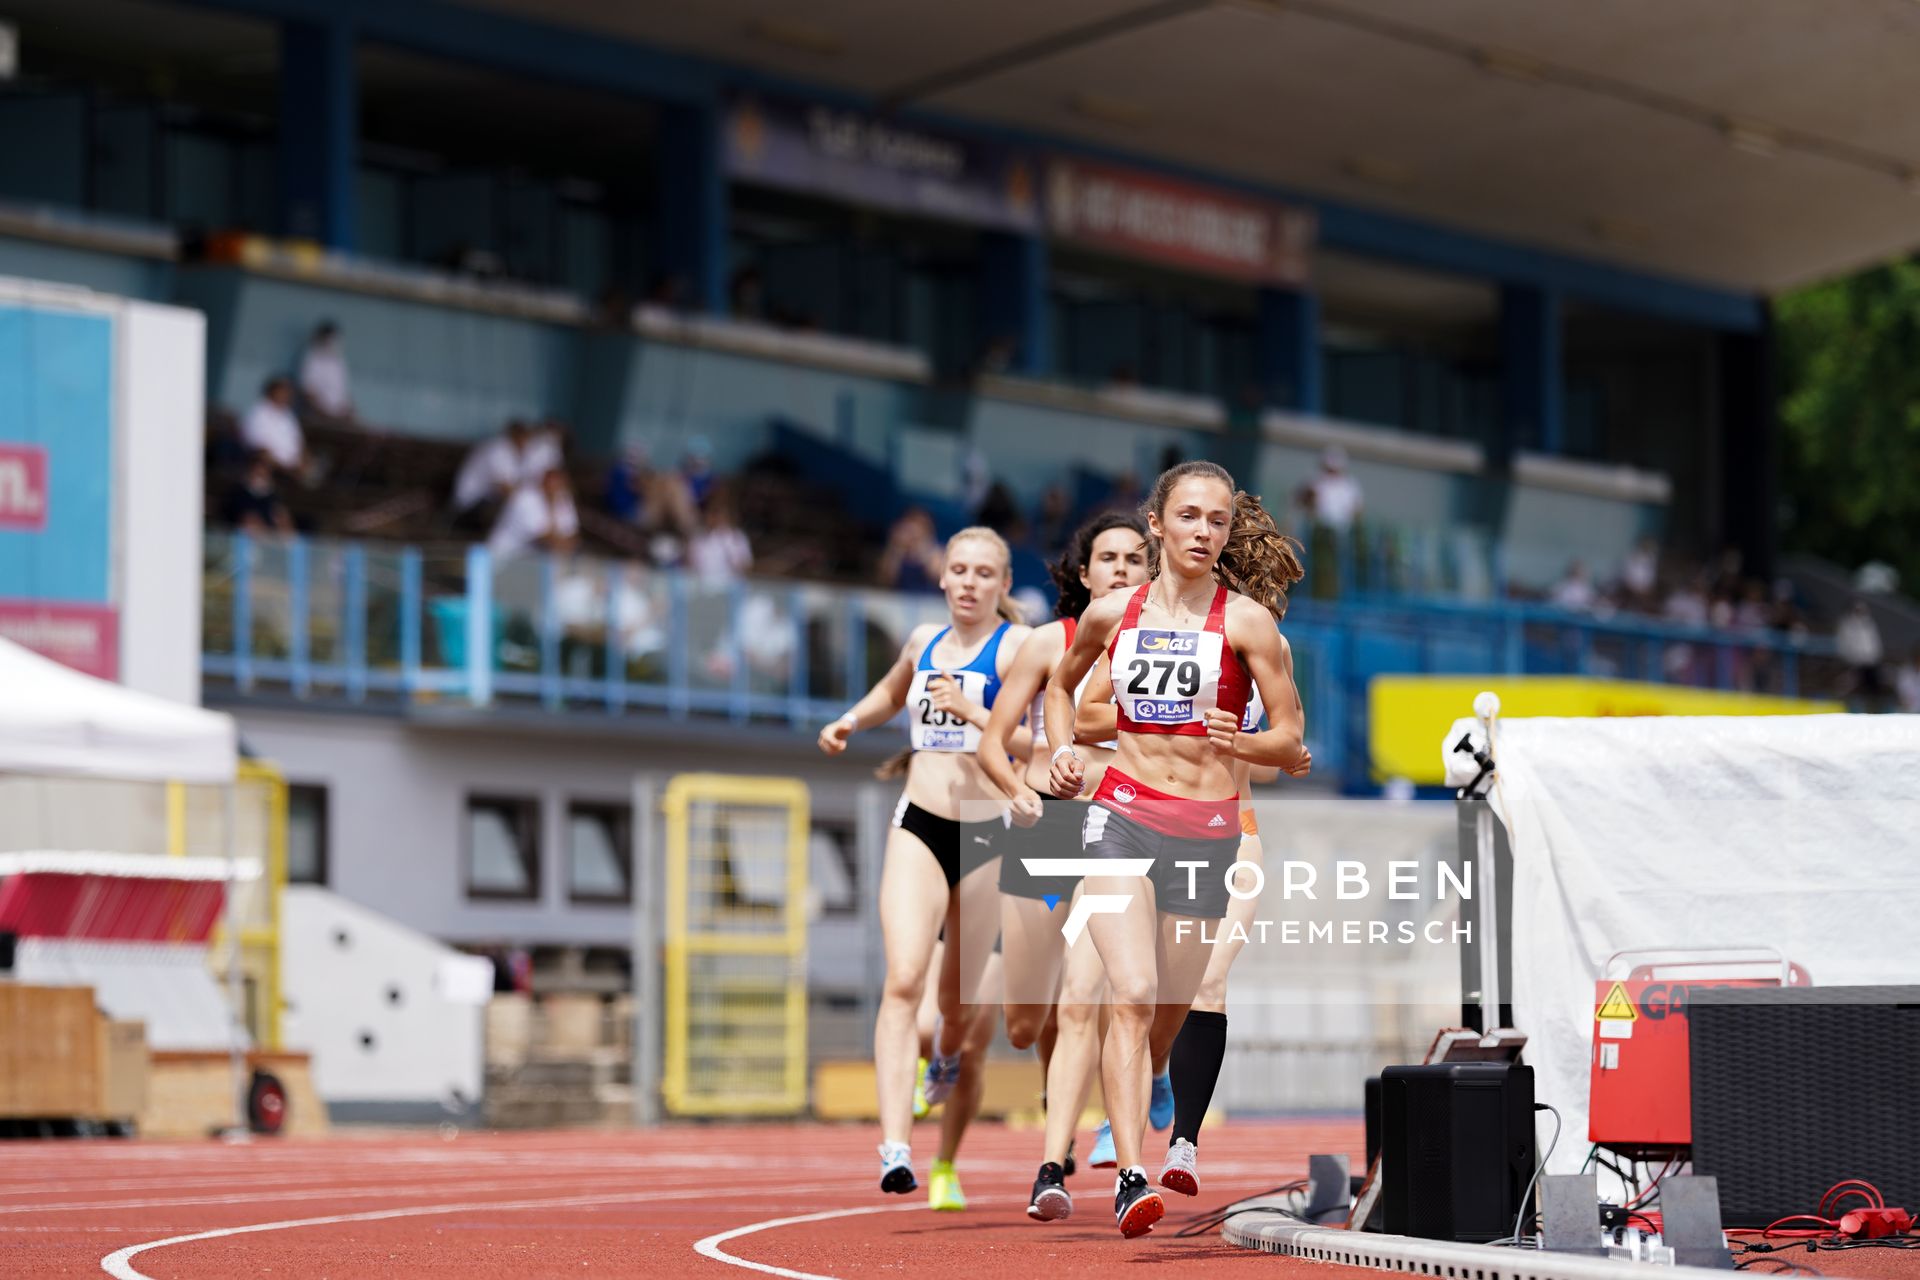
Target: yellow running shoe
(943, 1188)
(920, 1104)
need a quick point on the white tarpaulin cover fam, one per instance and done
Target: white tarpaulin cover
(1799, 832)
(54, 720)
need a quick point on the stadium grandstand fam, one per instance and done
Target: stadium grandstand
(527, 424)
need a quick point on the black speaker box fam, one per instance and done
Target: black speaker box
(1456, 1148)
(1797, 1088)
(1373, 1119)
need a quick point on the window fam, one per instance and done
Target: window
(599, 852)
(834, 866)
(306, 833)
(503, 847)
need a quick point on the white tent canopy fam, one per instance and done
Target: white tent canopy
(54, 720)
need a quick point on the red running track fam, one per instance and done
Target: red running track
(629, 1203)
(574, 1204)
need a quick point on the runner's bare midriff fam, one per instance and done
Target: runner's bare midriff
(1180, 765)
(952, 785)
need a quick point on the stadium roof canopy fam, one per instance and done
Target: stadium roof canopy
(1750, 144)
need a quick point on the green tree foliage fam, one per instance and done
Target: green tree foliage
(1849, 356)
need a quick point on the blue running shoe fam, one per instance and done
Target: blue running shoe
(1102, 1157)
(896, 1168)
(943, 1074)
(1160, 1108)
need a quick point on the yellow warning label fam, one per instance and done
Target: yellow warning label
(1616, 1005)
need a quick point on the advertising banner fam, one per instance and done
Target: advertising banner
(1180, 224)
(56, 485)
(85, 637)
(864, 159)
(1408, 715)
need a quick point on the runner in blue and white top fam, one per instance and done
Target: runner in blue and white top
(940, 854)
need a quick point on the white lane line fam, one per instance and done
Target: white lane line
(710, 1247)
(119, 1263)
(350, 1191)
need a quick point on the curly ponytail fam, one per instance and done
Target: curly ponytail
(1258, 561)
(1066, 571)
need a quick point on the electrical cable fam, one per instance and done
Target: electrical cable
(1527, 1196)
(1214, 1219)
(1641, 1200)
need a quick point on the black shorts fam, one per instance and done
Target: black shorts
(1197, 891)
(1055, 835)
(959, 847)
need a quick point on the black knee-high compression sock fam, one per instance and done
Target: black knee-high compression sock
(1198, 1051)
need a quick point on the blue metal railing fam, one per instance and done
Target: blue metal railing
(371, 623)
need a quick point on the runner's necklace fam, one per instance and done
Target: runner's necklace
(1184, 604)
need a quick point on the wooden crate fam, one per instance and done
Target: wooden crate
(51, 1053)
(572, 1024)
(845, 1090)
(123, 1093)
(190, 1094)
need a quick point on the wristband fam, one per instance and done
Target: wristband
(850, 720)
(1066, 747)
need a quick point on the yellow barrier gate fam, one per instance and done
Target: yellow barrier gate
(735, 941)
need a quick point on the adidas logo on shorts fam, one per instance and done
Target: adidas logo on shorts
(1218, 821)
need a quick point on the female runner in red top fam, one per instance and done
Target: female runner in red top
(1184, 650)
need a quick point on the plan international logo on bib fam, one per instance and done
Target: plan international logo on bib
(1163, 711)
(1169, 642)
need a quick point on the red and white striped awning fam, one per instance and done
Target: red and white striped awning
(114, 897)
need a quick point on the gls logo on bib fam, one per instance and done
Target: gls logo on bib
(1172, 642)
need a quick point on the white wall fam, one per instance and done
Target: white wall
(158, 430)
(397, 802)
(389, 1015)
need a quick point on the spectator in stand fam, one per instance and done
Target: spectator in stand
(748, 294)
(696, 470)
(1336, 494)
(253, 506)
(1906, 683)
(976, 479)
(913, 561)
(997, 357)
(653, 502)
(323, 375)
(1575, 590)
(537, 517)
(1754, 612)
(1687, 607)
(999, 512)
(1786, 614)
(720, 552)
(1640, 575)
(270, 427)
(1055, 524)
(1125, 495)
(625, 497)
(495, 468)
(1858, 638)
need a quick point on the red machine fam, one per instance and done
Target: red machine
(1641, 1092)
